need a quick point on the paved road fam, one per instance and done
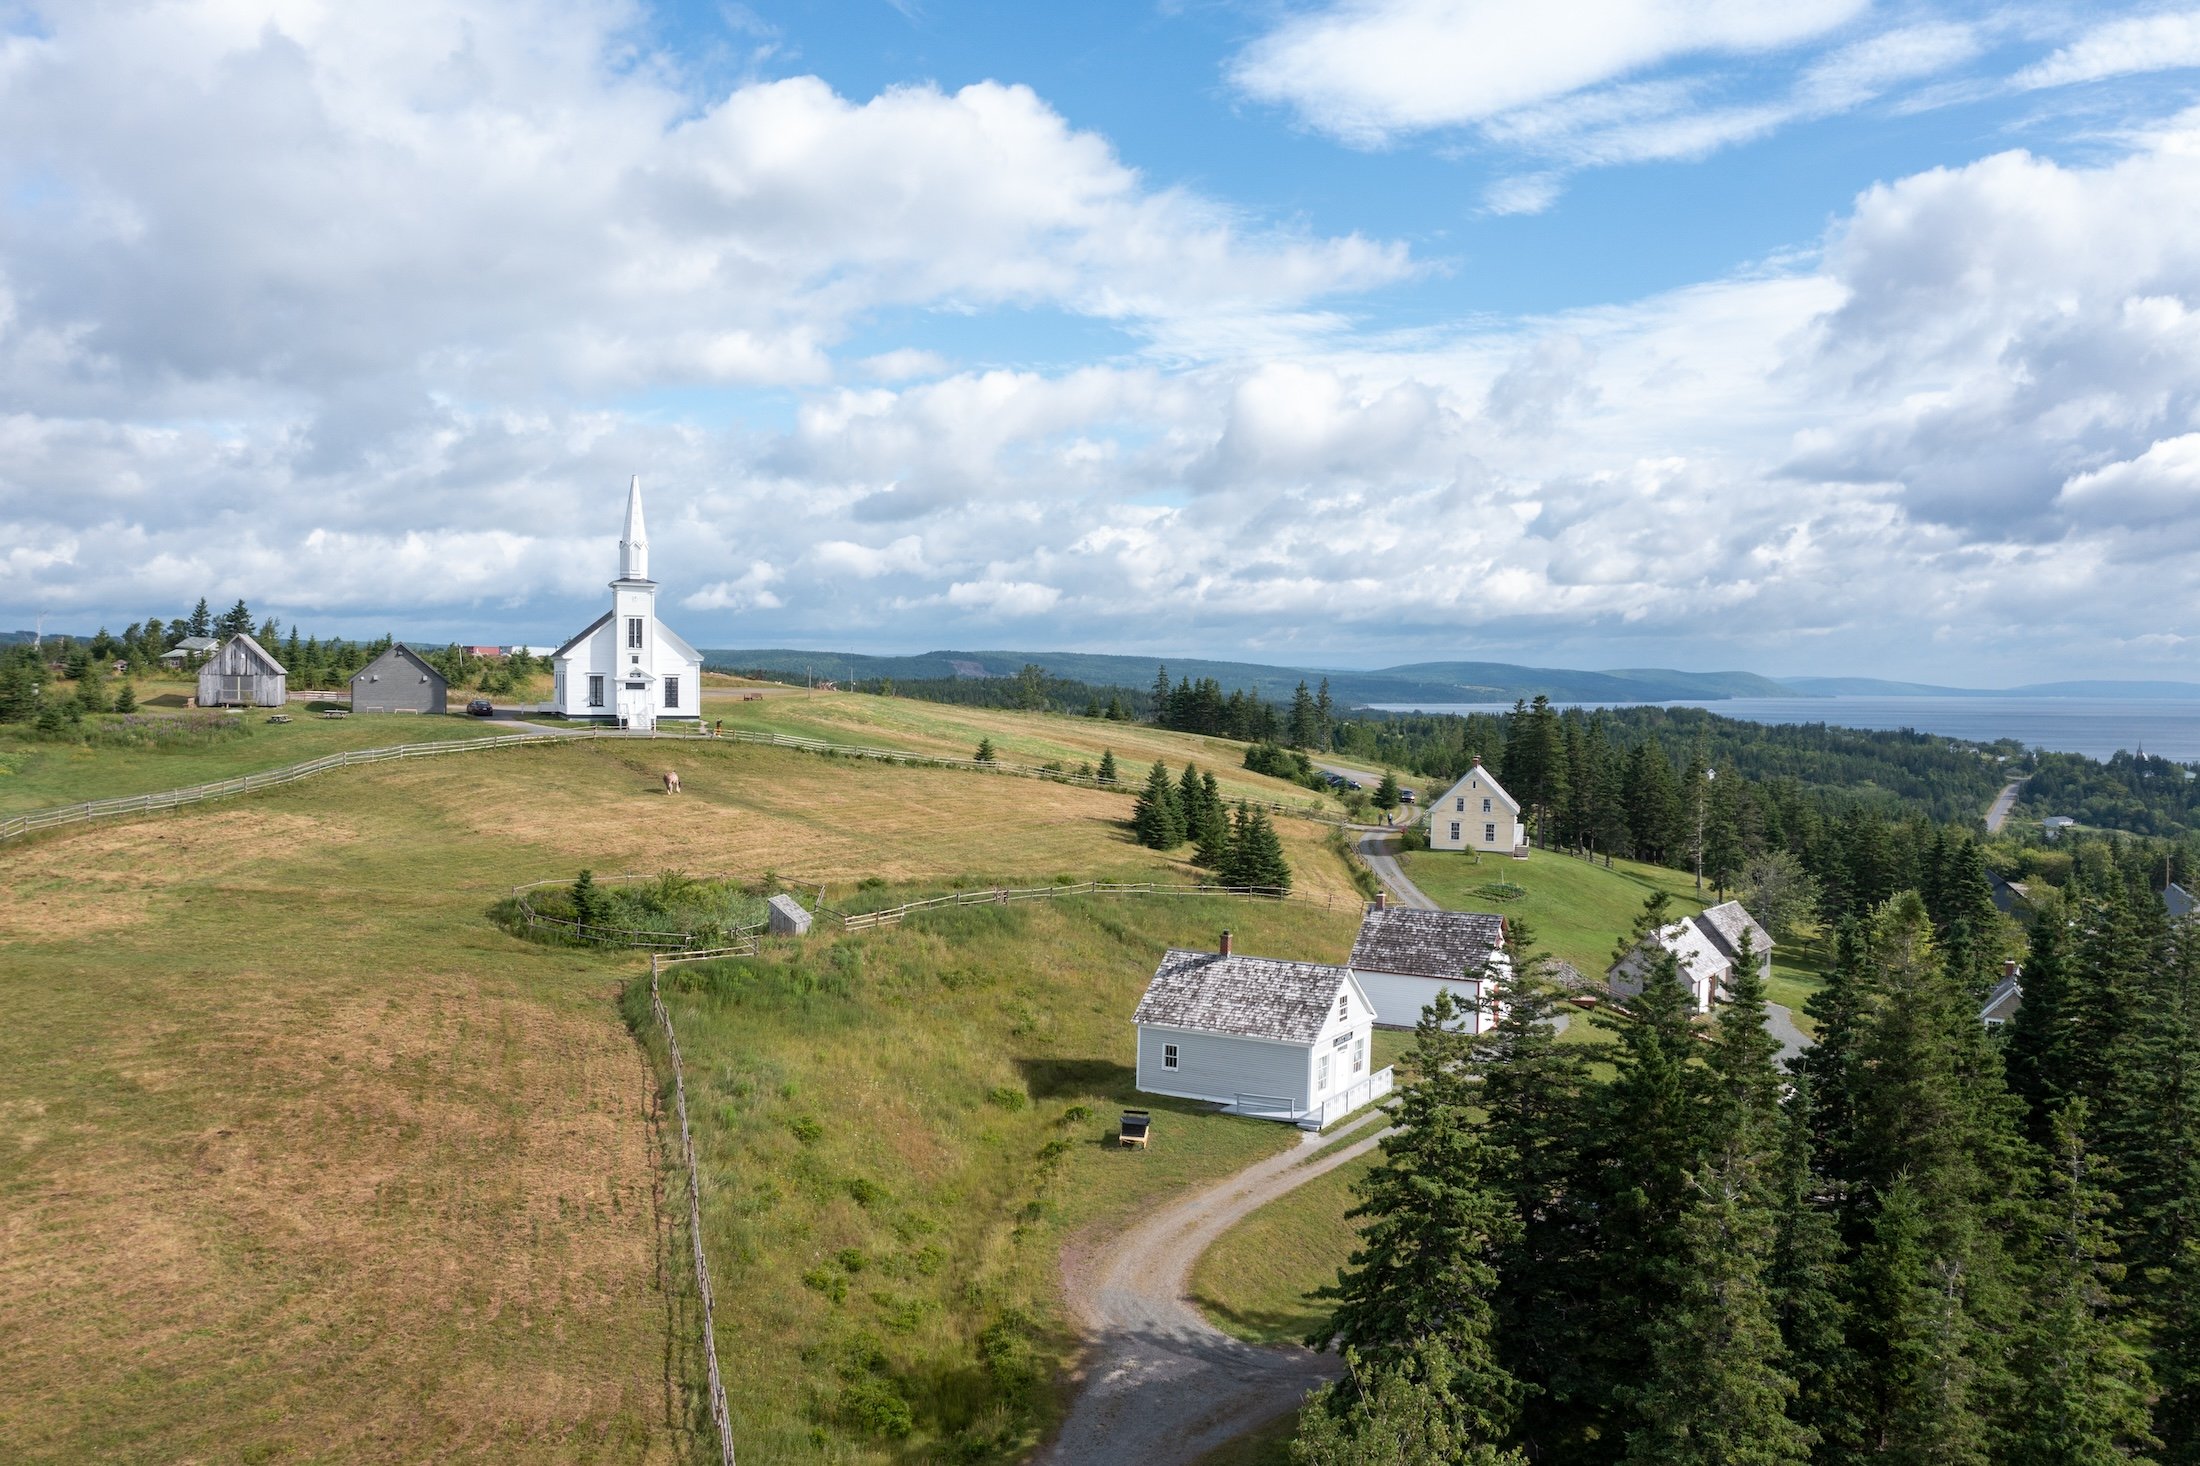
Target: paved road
(2003, 803)
(1161, 1385)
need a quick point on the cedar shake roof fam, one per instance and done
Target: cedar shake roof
(1441, 944)
(1686, 940)
(1245, 997)
(1725, 924)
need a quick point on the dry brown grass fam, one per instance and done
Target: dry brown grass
(301, 1158)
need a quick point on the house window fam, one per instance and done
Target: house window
(1459, 805)
(1485, 806)
(1344, 1005)
(1455, 829)
(1489, 834)
(633, 631)
(1321, 1073)
(1359, 1056)
(595, 691)
(672, 692)
(1168, 1056)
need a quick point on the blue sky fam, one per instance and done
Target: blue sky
(1828, 337)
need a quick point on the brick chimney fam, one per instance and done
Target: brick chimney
(1225, 944)
(1382, 899)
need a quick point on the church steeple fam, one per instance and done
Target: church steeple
(634, 544)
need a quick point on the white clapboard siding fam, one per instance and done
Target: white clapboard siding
(1214, 1066)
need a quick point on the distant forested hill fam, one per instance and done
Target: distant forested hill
(1423, 682)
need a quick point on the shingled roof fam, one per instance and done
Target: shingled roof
(1442, 944)
(1727, 921)
(1246, 997)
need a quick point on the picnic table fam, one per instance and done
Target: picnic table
(335, 712)
(278, 717)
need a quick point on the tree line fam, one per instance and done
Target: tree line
(1922, 1242)
(1239, 845)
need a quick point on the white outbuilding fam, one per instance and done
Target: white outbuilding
(243, 675)
(1707, 946)
(1258, 1035)
(628, 668)
(1477, 814)
(1404, 957)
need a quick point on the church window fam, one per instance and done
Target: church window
(633, 631)
(672, 692)
(595, 691)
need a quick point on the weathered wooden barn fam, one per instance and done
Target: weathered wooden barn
(243, 675)
(399, 681)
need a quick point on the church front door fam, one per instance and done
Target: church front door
(635, 709)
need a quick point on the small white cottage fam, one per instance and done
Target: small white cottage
(1477, 814)
(628, 668)
(1707, 945)
(1403, 958)
(2008, 995)
(1258, 1035)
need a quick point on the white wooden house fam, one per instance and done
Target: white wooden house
(2008, 995)
(1258, 1035)
(243, 675)
(1477, 814)
(1404, 958)
(627, 667)
(1707, 945)
(191, 646)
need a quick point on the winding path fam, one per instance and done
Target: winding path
(1161, 1386)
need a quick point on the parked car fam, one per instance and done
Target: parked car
(1405, 796)
(481, 707)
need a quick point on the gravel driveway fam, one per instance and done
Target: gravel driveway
(1160, 1385)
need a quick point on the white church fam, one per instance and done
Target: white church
(628, 668)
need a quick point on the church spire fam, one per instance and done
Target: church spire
(634, 544)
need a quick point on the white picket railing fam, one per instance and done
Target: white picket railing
(1364, 1093)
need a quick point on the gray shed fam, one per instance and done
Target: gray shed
(243, 675)
(398, 681)
(786, 917)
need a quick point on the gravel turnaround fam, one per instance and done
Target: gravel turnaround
(1160, 1385)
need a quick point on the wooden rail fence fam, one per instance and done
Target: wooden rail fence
(671, 942)
(68, 814)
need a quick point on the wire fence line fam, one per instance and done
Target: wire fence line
(603, 935)
(68, 814)
(1007, 895)
(720, 1416)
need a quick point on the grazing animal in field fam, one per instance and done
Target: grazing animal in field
(672, 782)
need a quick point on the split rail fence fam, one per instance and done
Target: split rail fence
(68, 814)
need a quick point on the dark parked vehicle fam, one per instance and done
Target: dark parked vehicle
(481, 707)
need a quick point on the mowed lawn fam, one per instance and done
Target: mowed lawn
(1580, 911)
(1257, 1280)
(306, 1159)
(1024, 738)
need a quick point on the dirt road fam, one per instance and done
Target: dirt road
(1375, 850)
(1162, 1386)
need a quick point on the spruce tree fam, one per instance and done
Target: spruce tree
(1211, 832)
(201, 621)
(1386, 792)
(1430, 1227)
(1191, 798)
(125, 699)
(1806, 1278)
(1404, 1414)
(2080, 1360)
(1301, 727)
(986, 752)
(2039, 1050)
(1107, 773)
(1156, 819)
(1918, 1343)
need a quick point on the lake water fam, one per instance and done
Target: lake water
(2096, 727)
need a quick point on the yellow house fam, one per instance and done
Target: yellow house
(1477, 814)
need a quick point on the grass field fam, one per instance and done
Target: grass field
(1579, 910)
(35, 774)
(1255, 1281)
(1025, 738)
(305, 1159)
(913, 1123)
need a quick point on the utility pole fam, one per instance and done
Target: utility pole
(38, 634)
(1702, 785)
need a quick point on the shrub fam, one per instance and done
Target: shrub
(1006, 1097)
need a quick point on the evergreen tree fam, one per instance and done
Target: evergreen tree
(1191, 798)
(91, 690)
(1107, 773)
(1211, 832)
(986, 752)
(202, 620)
(1325, 717)
(1386, 792)
(2038, 1052)
(125, 699)
(2079, 1356)
(1413, 1413)
(1116, 711)
(236, 621)
(1653, 804)
(1302, 726)
(586, 902)
(1919, 1344)
(1156, 818)
(1806, 1277)
(1255, 857)
(1431, 1225)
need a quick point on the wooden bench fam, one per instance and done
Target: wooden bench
(335, 712)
